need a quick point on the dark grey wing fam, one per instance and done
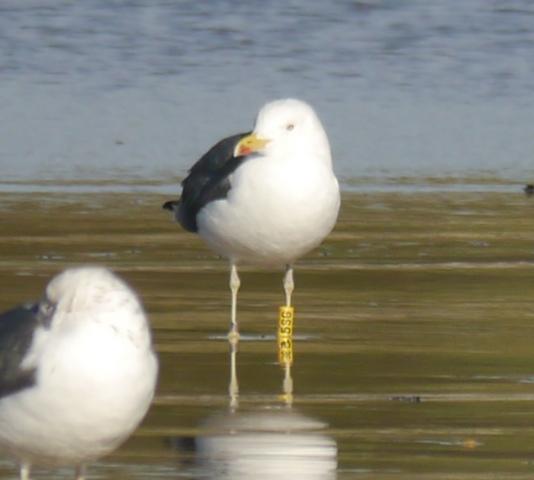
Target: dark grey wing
(16, 335)
(207, 181)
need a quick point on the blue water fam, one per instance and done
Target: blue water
(122, 90)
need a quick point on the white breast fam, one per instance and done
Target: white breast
(274, 213)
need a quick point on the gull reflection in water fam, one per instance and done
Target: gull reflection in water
(285, 358)
(274, 442)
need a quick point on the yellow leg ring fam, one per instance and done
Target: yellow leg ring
(285, 335)
(285, 321)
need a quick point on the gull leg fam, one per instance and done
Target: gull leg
(235, 283)
(285, 329)
(233, 387)
(25, 471)
(289, 284)
(80, 472)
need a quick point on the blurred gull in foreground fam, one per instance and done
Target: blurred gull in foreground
(77, 371)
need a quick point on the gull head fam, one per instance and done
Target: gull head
(89, 293)
(287, 129)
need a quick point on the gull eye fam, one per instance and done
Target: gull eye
(46, 307)
(46, 311)
(290, 126)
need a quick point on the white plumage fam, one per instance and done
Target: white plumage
(284, 200)
(267, 197)
(93, 372)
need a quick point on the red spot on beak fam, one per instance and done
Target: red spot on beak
(244, 150)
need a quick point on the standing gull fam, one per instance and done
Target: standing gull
(77, 371)
(265, 197)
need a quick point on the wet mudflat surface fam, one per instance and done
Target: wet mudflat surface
(413, 349)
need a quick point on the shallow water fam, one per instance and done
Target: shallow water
(413, 337)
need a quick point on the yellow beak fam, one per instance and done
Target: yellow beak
(250, 144)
